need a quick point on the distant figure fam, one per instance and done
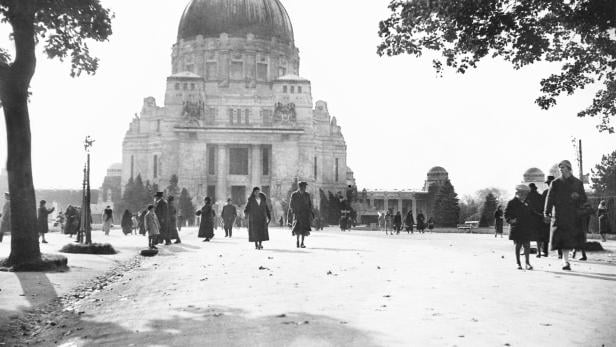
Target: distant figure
(142, 222)
(152, 226)
(344, 220)
(409, 222)
(389, 225)
(161, 209)
(498, 221)
(259, 216)
(60, 221)
(604, 222)
(535, 203)
(381, 221)
(206, 226)
(229, 214)
(398, 222)
(544, 232)
(173, 221)
(43, 219)
(107, 219)
(5, 221)
(421, 222)
(127, 222)
(135, 221)
(565, 196)
(301, 208)
(519, 215)
(73, 219)
(430, 224)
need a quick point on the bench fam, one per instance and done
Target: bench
(468, 226)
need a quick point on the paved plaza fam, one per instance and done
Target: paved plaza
(346, 289)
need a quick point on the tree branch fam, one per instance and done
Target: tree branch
(21, 17)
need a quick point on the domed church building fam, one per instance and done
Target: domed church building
(236, 112)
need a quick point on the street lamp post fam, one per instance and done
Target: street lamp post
(85, 226)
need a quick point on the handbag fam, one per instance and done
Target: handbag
(585, 210)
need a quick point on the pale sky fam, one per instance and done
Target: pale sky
(397, 117)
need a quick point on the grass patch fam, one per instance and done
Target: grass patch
(47, 263)
(95, 248)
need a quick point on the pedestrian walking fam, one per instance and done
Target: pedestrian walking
(206, 225)
(544, 232)
(430, 224)
(498, 221)
(300, 207)
(127, 222)
(5, 216)
(152, 226)
(421, 222)
(398, 222)
(142, 226)
(173, 220)
(604, 222)
(519, 215)
(43, 219)
(535, 203)
(409, 222)
(229, 214)
(565, 196)
(161, 208)
(389, 222)
(381, 221)
(259, 216)
(107, 219)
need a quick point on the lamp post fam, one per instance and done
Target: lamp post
(85, 226)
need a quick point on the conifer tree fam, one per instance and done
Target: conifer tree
(487, 213)
(446, 208)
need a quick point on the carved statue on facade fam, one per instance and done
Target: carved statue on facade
(193, 112)
(285, 113)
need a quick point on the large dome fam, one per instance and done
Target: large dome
(210, 18)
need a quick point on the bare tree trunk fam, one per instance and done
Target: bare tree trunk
(24, 236)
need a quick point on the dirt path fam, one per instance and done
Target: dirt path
(351, 289)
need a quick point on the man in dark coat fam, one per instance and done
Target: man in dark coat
(536, 203)
(43, 219)
(161, 209)
(259, 216)
(519, 215)
(565, 197)
(206, 224)
(409, 222)
(421, 222)
(229, 213)
(544, 233)
(301, 208)
(173, 220)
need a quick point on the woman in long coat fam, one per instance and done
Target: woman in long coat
(173, 220)
(300, 207)
(519, 215)
(152, 226)
(409, 222)
(107, 219)
(498, 221)
(206, 227)
(43, 219)
(127, 222)
(536, 204)
(604, 223)
(259, 216)
(565, 196)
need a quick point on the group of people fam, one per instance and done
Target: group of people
(393, 223)
(257, 212)
(562, 212)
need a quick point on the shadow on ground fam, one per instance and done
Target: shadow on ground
(214, 326)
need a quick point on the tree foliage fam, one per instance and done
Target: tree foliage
(446, 207)
(487, 212)
(186, 207)
(173, 189)
(604, 175)
(578, 34)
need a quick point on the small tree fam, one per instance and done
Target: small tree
(447, 209)
(604, 175)
(173, 189)
(487, 213)
(63, 28)
(324, 206)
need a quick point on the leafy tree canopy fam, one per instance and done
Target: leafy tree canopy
(604, 175)
(579, 34)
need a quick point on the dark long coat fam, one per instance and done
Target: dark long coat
(127, 222)
(564, 198)
(535, 203)
(161, 208)
(173, 221)
(544, 231)
(43, 219)
(301, 207)
(258, 218)
(206, 228)
(409, 221)
(228, 214)
(522, 229)
(604, 224)
(498, 221)
(421, 221)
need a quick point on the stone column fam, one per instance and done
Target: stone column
(256, 169)
(386, 203)
(414, 201)
(221, 173)
(400, 205)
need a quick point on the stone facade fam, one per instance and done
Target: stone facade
(236, 114)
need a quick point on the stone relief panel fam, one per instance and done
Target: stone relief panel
(284, 114)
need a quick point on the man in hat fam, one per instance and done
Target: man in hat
(544, 232)
(301, 208)
(162, 213)
(565, 197)
(229, 213)
(5, 221)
